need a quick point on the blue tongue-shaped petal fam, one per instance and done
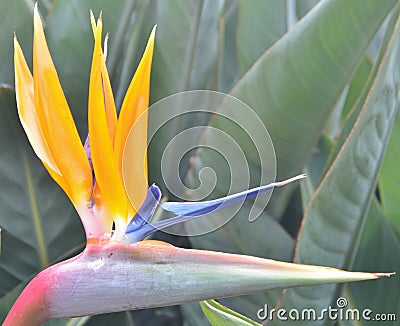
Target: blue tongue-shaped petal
(146, 211)
(196, 209)
(140, 227)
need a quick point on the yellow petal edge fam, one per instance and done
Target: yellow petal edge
(131, 151)
(47, 120)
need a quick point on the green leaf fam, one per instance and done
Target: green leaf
(304, 109)
(355, 110)
(357, 84)
(35, 215)
(389, 179)
(193, 314)
(185, 57)
(315, 169)
(121, 318)
(274, 18)
(15, 16)
(379, 251)
(219, 315)
(334, 219)
(259, 15)
(186, 46)
(317, 161)
(125, 58)
(304, 6)
(158, 316)
(227, 65)
(297, 82)
(7, 300)
(293, 86)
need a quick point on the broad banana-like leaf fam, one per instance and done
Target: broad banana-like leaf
(334, 219)
(357, 85)
(352, 115)
(185, 57)
(269, 16)
(15, 16)
(379, 248)
(390, 177)
(296, 83)
(289, 88)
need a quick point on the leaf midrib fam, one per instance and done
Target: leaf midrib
(36, 219)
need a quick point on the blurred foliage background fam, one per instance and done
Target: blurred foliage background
(323, 76)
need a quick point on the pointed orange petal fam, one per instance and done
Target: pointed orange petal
(56, 121)
(26, 108)
(93, 22)
(135, 104)
(104, 163)
(111, 111)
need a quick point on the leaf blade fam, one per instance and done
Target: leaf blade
(219, 315)
(341, 202)
(389, 179)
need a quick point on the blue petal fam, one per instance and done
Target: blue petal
(140, 233)
(196, 209)
(146, 211)
(140, 228)
(206, 207)
(193, 210)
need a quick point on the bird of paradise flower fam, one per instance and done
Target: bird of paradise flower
(119, 270)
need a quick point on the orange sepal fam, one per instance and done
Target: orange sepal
(104, 162)
(135, 105)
